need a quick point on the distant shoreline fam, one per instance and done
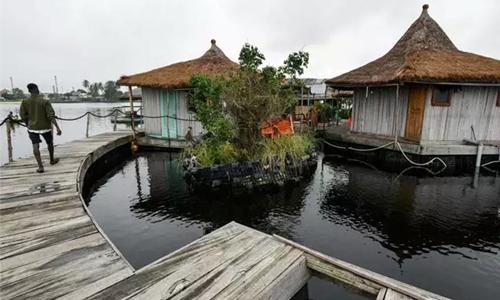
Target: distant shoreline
(68, 102)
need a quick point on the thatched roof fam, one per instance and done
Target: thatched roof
(213, 62)
(424, 54)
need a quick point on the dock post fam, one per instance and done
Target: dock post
(88, 124)
(132, 116)
(479, 154)
(116, 118)
(9, 139)
(480, 147)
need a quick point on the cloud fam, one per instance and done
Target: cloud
(102, 40)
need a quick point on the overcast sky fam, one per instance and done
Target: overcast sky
(101, 40)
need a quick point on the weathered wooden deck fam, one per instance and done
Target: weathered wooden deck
(51, 248)
(49, 245)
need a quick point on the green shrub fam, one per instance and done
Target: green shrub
(211, 152)
(275, 151)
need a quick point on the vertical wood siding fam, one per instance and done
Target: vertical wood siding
(376, 114)
(470, 106)
(151, 107)
(183, 113)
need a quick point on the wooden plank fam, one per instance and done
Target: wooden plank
(29, 189)
(381, 294)
(393, 295)
(384, 281)
(257, 277)
(35, 199)
(91, 266)
(38, 210)
(38, 239)
(288, 283)
(219, 265)
(55, 250)
(25, 225)
(181, 268)
(30, 174)
(344, 278)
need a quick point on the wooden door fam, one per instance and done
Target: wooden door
(415, 114)
(168, 107)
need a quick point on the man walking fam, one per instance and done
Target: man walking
(38, 114)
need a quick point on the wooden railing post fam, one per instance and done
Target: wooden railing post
(9, 139)
(132, 121)
(116, 118)
(88, 123)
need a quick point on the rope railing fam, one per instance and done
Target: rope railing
(10, 120)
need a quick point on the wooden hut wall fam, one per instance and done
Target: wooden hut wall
(375, 114)
(469, 106)
(151, 107)
(184, 113)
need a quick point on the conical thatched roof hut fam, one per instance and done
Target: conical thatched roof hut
(213, 62)
(426, 90)
(165, 94)
(423, 54)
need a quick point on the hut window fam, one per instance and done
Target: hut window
(190, 103)
(441, 96)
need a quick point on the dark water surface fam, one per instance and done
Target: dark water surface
(440, 234)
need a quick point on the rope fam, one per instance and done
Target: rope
(493, 162)
(383, 146)
(13, 121)
(123, 113)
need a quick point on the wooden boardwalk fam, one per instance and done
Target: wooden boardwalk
(49, 245)
(51, 248)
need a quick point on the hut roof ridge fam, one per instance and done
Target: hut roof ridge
(213, 62)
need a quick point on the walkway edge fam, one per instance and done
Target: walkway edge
(91, 158)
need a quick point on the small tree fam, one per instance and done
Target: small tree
(111, 91)
(18, 93)
(86, 84)
(254, 95)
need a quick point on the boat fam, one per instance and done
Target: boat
(125, 117)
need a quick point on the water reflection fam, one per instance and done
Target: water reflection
(412, 216)
(438, 233)
(169, 199)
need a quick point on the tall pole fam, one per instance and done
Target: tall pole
(396, 119)
(132, 117)
(9, 139)
(168, 117)
(12, 85)
(57, 89)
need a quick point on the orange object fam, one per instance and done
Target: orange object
(276, 127)
(349, 121)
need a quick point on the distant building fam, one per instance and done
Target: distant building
(311, 90)
(4, 91)
(136, 94)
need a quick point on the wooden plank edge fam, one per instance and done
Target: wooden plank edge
(80, 174)
(152, 264)
(289, 282)
(381, 294)
(342, 278)
(382, 280)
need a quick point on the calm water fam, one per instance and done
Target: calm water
(436, 233)
(21, 144)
